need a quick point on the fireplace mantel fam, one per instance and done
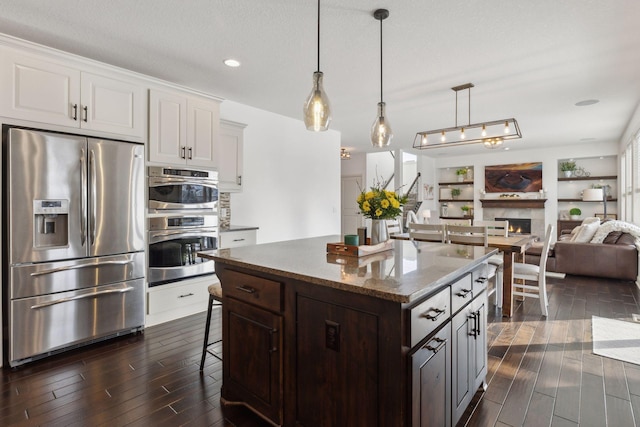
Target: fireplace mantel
(513, 203)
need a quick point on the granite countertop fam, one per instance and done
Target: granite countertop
(236, 228)
(404, 274)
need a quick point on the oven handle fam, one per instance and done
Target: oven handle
(161, 182)
(77, 297)
(162, 236)
(78, 266)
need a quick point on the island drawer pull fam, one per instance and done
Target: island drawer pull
(185, 295)
(463, 293)
(440, 341)
(246, 289)
(274, 347)
(481, 279)
(438, 311)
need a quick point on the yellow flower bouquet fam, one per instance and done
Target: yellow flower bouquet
(380, 204)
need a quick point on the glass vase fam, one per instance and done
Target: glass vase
(379, 231)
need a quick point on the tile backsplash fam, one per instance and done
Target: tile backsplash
(224, 206)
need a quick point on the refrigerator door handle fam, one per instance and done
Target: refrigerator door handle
(77, 297)
(83, 201)
(78, 266)
(94, 197)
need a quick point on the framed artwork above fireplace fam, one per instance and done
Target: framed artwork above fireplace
(520, 177)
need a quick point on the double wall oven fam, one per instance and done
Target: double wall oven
(183, 207)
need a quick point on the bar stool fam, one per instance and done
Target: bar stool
(215, 300)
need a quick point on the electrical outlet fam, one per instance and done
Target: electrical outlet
(332, 335)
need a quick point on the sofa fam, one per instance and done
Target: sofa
(616, 257)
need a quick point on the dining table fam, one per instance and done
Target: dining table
(513, 247)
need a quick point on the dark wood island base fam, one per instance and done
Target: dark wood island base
(399, 339)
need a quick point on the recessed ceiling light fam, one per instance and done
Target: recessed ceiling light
(233, 63)
(587, 139)
(587, 102)
(506, 148)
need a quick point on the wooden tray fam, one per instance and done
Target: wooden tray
(358, 251)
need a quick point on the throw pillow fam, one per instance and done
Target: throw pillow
(590, 219)
(586, 232)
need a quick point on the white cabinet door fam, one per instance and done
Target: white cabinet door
(111, 105)
(39, 91)
(203, 118)
(230, 156)
(183, 130)
(167, 127)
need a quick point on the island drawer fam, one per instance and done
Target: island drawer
(254, 290)
(480, 279)
(427, 316)
(461, 293)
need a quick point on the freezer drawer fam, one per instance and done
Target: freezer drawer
(43, 324)
(46, 278)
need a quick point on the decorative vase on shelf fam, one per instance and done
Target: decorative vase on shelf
(379, 231)
(460, 178)
(567, 174)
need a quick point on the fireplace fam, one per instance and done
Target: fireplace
(518, 225)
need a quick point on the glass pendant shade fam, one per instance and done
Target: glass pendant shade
(317, 110)
(381, 132)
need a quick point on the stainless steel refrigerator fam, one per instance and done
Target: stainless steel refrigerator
(73, 255)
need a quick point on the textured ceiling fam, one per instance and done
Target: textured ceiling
(532, 60)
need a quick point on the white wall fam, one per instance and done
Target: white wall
(291, 181)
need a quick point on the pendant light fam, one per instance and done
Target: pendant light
(316, 110)
(381, 133)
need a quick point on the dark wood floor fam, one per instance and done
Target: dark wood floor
(541, 372)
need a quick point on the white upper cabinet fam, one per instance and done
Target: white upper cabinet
(183, 130)
(110, 105)
(42, 90)
(230, 156)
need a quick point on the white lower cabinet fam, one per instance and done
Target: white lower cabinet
(234, 239)
(175, 300)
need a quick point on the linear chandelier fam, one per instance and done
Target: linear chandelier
(492, 134)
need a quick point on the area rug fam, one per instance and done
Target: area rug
(616, 339)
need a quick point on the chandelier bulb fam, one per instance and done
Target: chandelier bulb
(506, 127)
(424, 139)
(484, 130)
(443, 138)
(462, 135)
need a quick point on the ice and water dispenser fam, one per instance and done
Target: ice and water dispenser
(51, 223)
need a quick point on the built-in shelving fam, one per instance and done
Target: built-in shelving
(601, 172)
(456, 200)
(589, 178)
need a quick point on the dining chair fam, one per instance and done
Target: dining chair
(427, 232)
(496, 228)
(447, 221)
(467, 235)
(394, 226)
(524, 274)
(477, 235)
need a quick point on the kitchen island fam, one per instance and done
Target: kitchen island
(313, 338)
